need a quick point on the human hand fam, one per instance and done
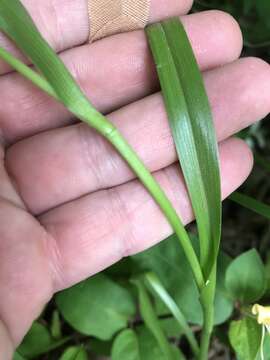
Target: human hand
(69, 205)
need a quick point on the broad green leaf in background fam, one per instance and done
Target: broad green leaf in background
(17, 356)
(148, 345)
(246, 277)
(126, 346)
(74, 353)
(153, 281)
(171, 327)
(100, 347)
(151, 320)
(266, 349)
(97, 306)
(39, 341)
(251, 204)
(164, 259)
(192, 128)
(150, 349)
(245, 337)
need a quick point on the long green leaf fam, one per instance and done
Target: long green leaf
(163, 294)
(58, 82)
(192, 128)
(251, 204)
(151, 320)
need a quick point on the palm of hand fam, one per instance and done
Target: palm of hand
(69, 205)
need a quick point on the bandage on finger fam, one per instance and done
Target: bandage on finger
(109, 17)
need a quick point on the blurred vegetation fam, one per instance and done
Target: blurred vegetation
(82, 323)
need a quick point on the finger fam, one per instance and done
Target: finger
(106, 226)
(239, 94)
(112, 72)
(6, 345)
(65, 23)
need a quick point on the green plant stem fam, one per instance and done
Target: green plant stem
(158, 194)
(207, 301)
(103, 126)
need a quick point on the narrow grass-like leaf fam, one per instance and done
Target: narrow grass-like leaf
(251, 204)
(192, 128)
(156, 285)
(151, 320)
(17, 24)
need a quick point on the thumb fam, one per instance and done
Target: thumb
(6, 346)
(25, 276)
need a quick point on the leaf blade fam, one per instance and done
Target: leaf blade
(151, 321)
(251, 204)
(126, 346)
(97, 306)
(192, 129)
(246, 277)
(157, 286)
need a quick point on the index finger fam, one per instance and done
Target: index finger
(65, 23)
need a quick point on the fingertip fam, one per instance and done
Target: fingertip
(224, 38)
(162, 9)
(257, 72)
(230, 31)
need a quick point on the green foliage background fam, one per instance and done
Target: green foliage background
(82, 322)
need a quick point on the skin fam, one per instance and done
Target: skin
(64, 212)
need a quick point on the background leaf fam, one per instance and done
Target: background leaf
(150, 349)
(97, 306)
(17, 356)
(245, 338)
(157, 287)
(74, 353)
(126, 346)
(38, 341)
(246, 277)
(171, 328)
(151, 321)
